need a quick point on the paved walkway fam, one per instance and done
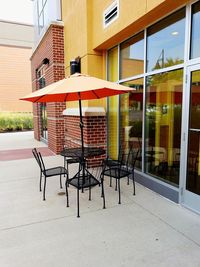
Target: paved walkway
(146, 230)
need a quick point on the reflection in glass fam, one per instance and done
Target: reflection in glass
(131, 106)
(163, 125)
(113, 104)
(165, 41)
(132, 56)
(195, 34)
(44, 129)
(193, 166)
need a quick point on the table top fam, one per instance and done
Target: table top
(76, 152)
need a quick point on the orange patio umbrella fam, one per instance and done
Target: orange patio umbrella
(77, 87)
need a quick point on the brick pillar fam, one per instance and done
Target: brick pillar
(94, 130)
(51, 47)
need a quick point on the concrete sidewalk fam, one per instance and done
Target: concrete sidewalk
(145, 230)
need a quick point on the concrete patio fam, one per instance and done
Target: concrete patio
(145, 230)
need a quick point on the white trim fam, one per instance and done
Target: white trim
(86, 111)
(188, 198)
(115, 4)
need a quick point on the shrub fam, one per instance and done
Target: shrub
(18, 121)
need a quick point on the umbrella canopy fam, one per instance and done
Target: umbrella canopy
(77, 87)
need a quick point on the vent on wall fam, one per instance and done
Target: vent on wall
(111, 13)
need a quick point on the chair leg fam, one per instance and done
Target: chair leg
(64, 163)
(133, 183)
(90, 193)
(128, 180)
(61, 181)
(78, 214)
(40, 181)
(102, 193)
(119, 191)
(67, 172)
(67, 195)
(116, 185)
(44, 188)
(102, 179)
(67, 178)
(110, 181)
(90, 189)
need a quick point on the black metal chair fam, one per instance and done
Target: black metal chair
(55, 171)
(86, 180)
(109, 162)
(69, 161)
(124, 169)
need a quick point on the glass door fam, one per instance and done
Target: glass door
(191, 194)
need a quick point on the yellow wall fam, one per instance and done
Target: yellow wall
(86, 37)
(77, 18)
(134, 16)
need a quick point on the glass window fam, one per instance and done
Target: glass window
(163, 125)
(40, 6)
(195, 34)
(113, 107)
(132, 56)
(41, 21)
(42, 14)
(131, 107)
(43, 110)
(165, 41)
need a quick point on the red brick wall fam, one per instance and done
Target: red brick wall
(94, 132)
(51, 47)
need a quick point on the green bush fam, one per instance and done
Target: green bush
(10, 121)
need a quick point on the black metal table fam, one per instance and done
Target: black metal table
(83, 178)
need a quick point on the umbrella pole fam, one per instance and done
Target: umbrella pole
(82, 141)
(81, 127)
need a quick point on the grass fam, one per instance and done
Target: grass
(16, 121)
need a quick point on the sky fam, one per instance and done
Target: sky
(16, 10)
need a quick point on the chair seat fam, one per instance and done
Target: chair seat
(117, 173)
(79, 182)
(112, 162)
(55, 171)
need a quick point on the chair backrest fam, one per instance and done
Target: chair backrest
(42, 162)
(135, 153)
(36, 156)
(39, 159)
(129, 158)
